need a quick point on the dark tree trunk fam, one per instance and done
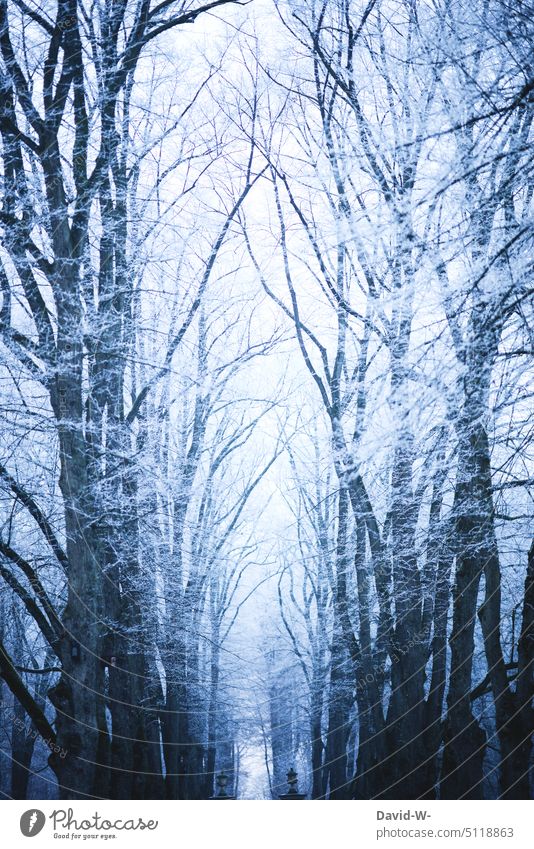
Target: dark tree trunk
(465, 740)
(211, 757)
(22, 746)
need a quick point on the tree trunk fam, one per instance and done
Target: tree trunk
(465, 740)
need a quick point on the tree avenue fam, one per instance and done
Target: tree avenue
(266, 327)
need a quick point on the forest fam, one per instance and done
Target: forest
(266, 399)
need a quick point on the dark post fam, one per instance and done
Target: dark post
(222, 781)
(292, 793)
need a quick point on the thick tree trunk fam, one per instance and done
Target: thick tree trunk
(340, 694)
(523, 728)
(465, 740)
(513, 710)
(75, 696)
(211, 758)
(432, 738)
(22, 746)
(438, 570)
(316, 732)
(174, 725)
(513, 726)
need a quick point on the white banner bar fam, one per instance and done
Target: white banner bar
(258, 825)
